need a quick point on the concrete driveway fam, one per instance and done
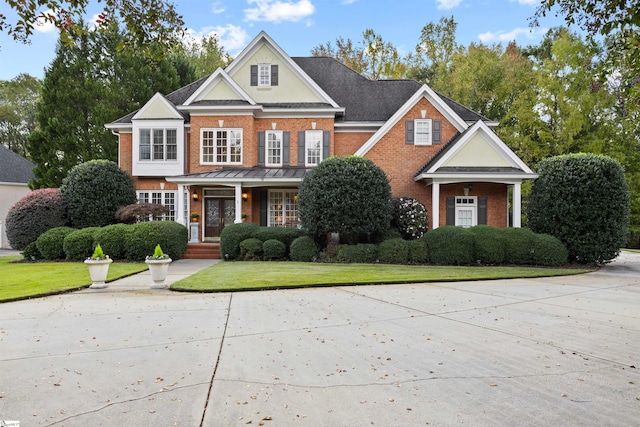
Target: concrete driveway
(552, 351)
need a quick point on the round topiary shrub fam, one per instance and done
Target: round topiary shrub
(274, 249)
(143, 238)
(489, 244)
(31, 252)
(94, 191)
(79, 244)
(549, 251)
(583, 200)
(409, 217)
(285, 235)
(303, 249)
(418, 252)
(51, 243)
(364, 253)
(35, 213)
(518, 246)
(450, 245)
(251, 249)
(112, 239)
(231, 237)
(393, 251)
(347, 195)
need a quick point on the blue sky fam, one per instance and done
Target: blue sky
(299, 25)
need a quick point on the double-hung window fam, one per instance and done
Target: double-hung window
(422, 131)
(158, 144)
(313, 147)
(283, 209)
(466, 211)
(221, 146)
(264, 74)
(166, 198)
(274, 147)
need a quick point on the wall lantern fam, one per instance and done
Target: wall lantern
(194, 196)
(245, 197)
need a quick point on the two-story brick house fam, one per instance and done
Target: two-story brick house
(241, 140)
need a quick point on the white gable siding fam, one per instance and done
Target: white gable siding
(478, 152)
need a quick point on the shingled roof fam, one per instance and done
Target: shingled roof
(13, 168)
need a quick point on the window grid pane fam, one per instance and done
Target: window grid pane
(423, 132)
(235, 146)
(172, 144)
(158, 144)
(314, 147)
(221, 146)
(276, 209)
(274, 148)
(145, 144)
(207, 146)
(264, 75)
(170, 202)
(283, 209)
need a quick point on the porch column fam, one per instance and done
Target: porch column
(180, 219)
(238, 188)
(435, 204)
(517, 205)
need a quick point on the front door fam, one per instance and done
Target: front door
(219, 212)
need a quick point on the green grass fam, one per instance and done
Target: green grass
(241, 276)
(28, 280)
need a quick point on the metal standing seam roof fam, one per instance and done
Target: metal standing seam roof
(248, 174)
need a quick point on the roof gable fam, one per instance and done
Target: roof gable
(13, 168)
(219, 86)
(158, 107)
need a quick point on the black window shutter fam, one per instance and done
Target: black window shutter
(326, 144)
(261, 148)
(301, 148)
(435, 138)
(482, 210)
(286, 142)
(451, 211)
(409, 132)
(264, 205)
(274, 75)
(254, 75)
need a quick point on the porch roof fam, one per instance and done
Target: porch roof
(248, 177)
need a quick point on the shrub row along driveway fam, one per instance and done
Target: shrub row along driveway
(549, 351)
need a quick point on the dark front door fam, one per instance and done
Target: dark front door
(218, 214)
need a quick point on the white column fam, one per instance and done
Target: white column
(517, 205)
(238, 203)
(180, 219)
(435, 204)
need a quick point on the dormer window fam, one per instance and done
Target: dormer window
(264, 75)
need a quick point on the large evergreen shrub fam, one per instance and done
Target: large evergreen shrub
(489, 244)
(303, 249)
(409, 217)
(394, 251)
(143, 238)
(112, 239)
(80, 244)
(518, 245)
(94, 191)
(35, 213)
(583, 200)
(231, 237)
(450, 245)
(51, 243)
(347, 195)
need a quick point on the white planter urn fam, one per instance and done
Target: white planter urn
(98, 269)
(158, 269)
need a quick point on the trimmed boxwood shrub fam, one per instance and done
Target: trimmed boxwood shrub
(417, 252)
(549, 251)
(35, 213)
(231, 237)
(31, 252)
(274, 249)
(518, 246)
(250, 249)
(409, 217)
(361, 253)
(450, 245)
(142, 239)
(489, 244)
(285, 235)
(80, 244)
(51, 242)
(393, 251)
(303, 249)
(112, 239)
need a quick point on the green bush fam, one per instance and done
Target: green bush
(94, 191)
(518, 246)
(347, 195)
(548, 251)
(394, 251)
(633, 237)
(35, 213)
(583, 200)
(251, 249)
(231, 237)
(274, 249)
(80, 244)
(360, 253)
(112, 239)
(143, 238)
(303, 249)
(31, 252)
(489, 244)
(285, 235)
(409, 217)
(450, 245)
(418, 253)
(51, 243)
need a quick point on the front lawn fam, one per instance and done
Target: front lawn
(25, 280)
(241, 276)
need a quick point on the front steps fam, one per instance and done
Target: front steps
(202, 251)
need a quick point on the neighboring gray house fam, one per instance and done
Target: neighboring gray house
(15, 173)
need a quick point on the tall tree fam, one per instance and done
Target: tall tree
(434, 51)
(18, 106)
(204, 56)
(345, 52)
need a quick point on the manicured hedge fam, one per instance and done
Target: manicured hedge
(51, 243)
(519, 246)
(450, 245)
(31, 252)
(394, 251)
(549, 251)
(489, 244)
(250, 249)
(80, 244)
(273, 249)
(143, 237)
(417, 252)
(285, 235)
(231, 237)
(112, 239)
(303, 249)
(360, 253)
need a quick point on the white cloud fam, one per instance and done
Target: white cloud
(231, 37)
(501, 36)
(448, 4)
(527, 2)
(218, 7)
(348, 2)
(43, 26)
(277, 11)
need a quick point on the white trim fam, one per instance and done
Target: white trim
(415, 132)
(435, 205)
(157, 167)
(424, 92)
(472, 207)
(266, 146)
(517, 205)
(211, 82)
(159, 97)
